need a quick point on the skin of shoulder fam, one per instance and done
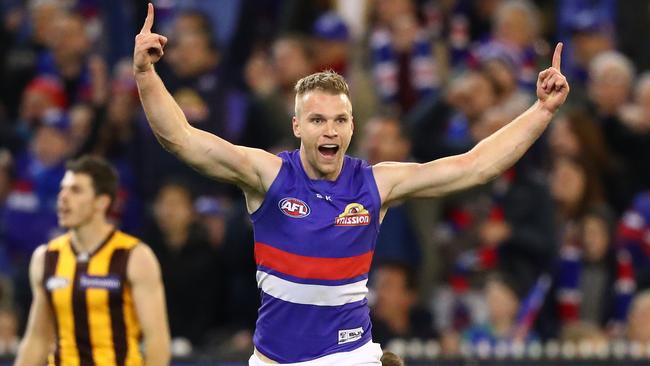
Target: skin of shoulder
(144, 276)
(36, 266)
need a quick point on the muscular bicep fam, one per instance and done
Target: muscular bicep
(217, 158)
(145, 279)
(39, 334)
(397, 181)
(148, 293)
(41, 320)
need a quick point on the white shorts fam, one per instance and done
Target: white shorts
(367, 355)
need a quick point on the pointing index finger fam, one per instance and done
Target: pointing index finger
(557, 56)
(148, 22)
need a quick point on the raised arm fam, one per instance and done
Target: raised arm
(39, 335)
(251, 169)
(488, 158)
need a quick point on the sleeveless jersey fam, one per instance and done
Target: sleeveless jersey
(94, 314)
(314, 241)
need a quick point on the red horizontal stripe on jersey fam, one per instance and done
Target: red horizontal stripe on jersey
(312, 267)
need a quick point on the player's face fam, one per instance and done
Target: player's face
(323, 122)
(77, 203)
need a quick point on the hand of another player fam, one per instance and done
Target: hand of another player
(148, 46)
(552, 86)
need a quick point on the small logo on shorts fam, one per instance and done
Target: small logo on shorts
(350, 335)
(353, 215)
(54, 283)
(294, 207)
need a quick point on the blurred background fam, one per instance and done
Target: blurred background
(549, 262)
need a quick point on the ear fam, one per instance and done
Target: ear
(295, 124)
(103, 203)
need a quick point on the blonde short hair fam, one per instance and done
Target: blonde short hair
(327, 81)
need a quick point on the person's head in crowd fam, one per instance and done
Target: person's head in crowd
(501, 66)
(259, 73)
(191, 21)
(516, 23)
(331, 37)
(574, 186)
(212, 216)
(122, 105)
(502, 295)
(88, 190)
(590, 36)
(174, 212)
(51, 145)
(121, 112)
(70, 43)
(384, 139)
(391, 359)
(42, 14)
(41, 94)
(123, 101)
(574, 133)
(388, 11)
(611, 75)
(81, 120)
(404, 32)
(293, 58)
(638, 319)
(582, 332)
(596, 233)
(472, 93)
(191, 54)
(395, 288)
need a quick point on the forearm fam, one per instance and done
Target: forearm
(163, 113)
(32, 352)
(156, 350)
(504, 148)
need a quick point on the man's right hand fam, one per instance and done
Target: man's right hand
(148, 46)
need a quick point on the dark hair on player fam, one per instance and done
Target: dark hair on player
(102, 174)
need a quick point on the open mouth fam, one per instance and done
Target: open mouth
(328, 150)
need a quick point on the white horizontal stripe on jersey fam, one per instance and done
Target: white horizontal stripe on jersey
(321, 295)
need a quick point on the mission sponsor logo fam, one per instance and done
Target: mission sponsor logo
(353, 215)
(294, 207)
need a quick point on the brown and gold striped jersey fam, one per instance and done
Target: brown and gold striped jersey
(94, 314)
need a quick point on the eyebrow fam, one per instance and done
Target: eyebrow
(318, 115)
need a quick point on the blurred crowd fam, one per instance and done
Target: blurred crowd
(558, 247)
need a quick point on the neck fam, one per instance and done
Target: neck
(177, 238)
(502, 326)
(86, 238)
(313, 173)
(397, 320)
(70, 68)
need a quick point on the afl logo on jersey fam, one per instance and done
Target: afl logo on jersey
(294, 207)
